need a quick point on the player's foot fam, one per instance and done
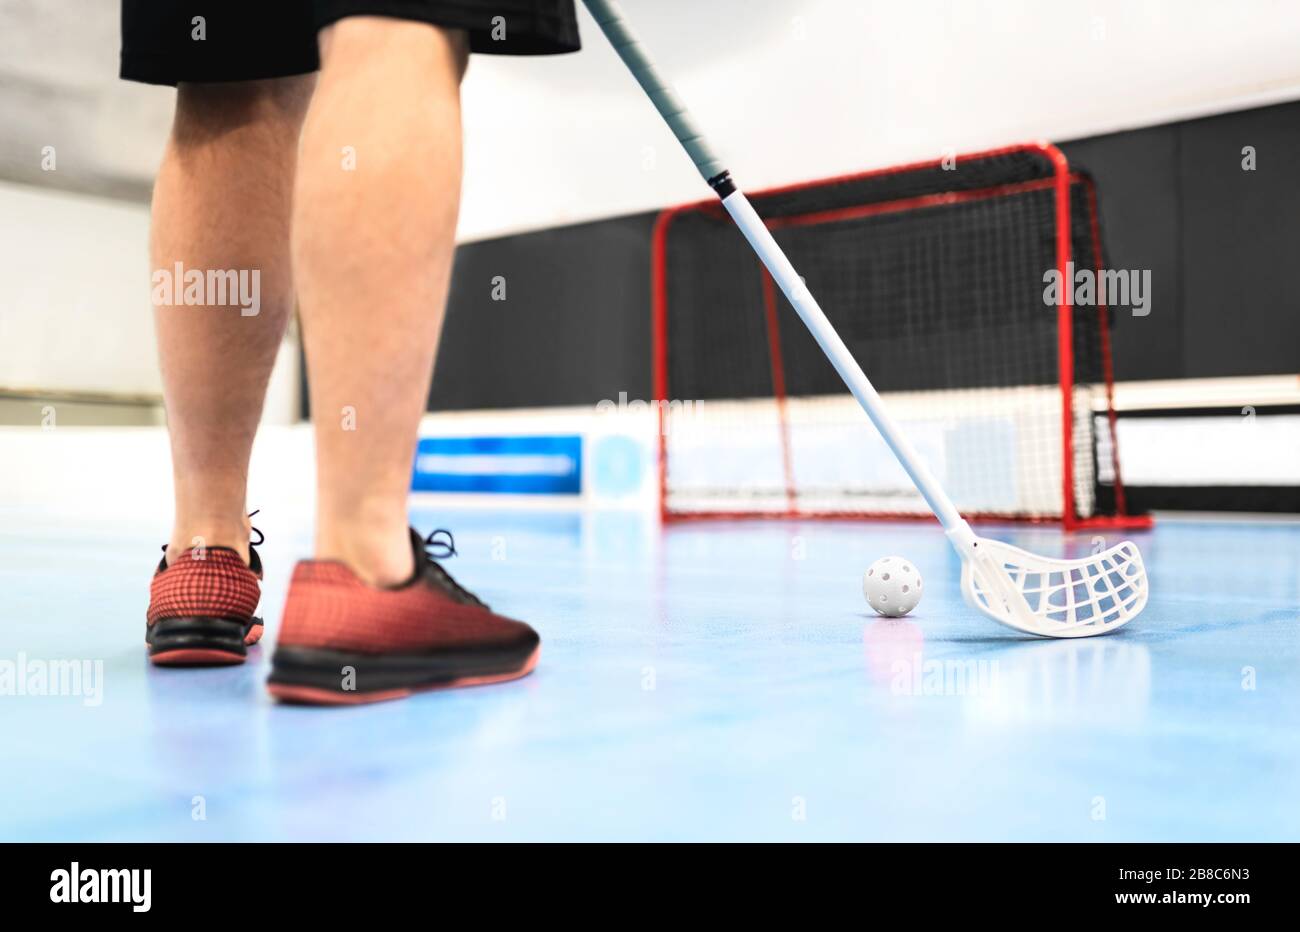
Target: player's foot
(201, 607)
(342, 641)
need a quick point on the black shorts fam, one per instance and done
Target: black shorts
(243, 40)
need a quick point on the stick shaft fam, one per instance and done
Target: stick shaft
(814, 318)
(610, 18)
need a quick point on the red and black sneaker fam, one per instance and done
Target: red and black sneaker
(201, 607)
(343, 641)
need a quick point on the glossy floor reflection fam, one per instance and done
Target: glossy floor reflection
(717, 681)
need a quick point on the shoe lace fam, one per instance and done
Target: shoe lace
(447, 547)
(436, 546)
(260, 536)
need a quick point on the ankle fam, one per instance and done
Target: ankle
(380, 557)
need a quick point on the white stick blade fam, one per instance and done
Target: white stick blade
(1055, 598)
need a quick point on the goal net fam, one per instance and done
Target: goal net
(936, 277)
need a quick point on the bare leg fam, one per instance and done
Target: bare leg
(222, 201)
(375, 207)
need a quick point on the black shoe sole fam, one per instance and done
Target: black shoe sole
(316, 676)
(198, 641)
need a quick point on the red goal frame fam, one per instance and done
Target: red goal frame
(1060, 180)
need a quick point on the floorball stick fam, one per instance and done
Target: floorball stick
(1039, 595)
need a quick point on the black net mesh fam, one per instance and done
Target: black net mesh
(935, 280)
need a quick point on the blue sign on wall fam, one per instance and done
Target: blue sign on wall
(513, 465)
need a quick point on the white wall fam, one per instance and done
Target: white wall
(74, 306)
(796, 89)
(75, 314)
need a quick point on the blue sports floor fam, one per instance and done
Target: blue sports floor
(716, 681)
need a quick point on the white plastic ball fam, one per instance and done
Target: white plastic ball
(892, 586)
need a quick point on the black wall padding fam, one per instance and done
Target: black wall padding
(1223, 245)
(574, 328)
